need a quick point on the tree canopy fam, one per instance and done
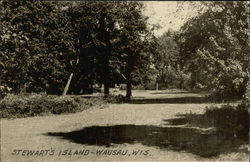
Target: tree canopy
(213, 46)
(43, 41)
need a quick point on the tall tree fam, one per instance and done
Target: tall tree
(36, 45)
(117, 36)
(135, 44)
(95, 41)
(214, 45)
(167, 61)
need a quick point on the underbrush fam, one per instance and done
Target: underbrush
(115, 99)
(228, 119)
(25, 105)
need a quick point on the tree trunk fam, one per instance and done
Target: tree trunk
(157, 83)
(129, 91)
(156, 86)
(67, 85)
(106, 78)
(106, 89)
(107, 52)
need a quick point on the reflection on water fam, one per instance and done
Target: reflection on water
(203, 143)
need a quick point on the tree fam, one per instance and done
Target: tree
(98, 42)
(167, 62)
(213, 47)
(36, 45)
(116, 36)
(136, 43)
(94, 41)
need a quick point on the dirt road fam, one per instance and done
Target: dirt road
(76, 137)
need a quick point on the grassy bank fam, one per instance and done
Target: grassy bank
(228, 120)
(26, 105)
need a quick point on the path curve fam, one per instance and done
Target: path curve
(30, 133)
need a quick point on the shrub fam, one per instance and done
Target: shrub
(24, 105)
(115, 99)
(4, 90)
(228, 119)
(231, 120)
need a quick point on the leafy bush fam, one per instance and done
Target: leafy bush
(4, 90)
(24, 105)
(228, 119)
(115, 99)
(170, 77)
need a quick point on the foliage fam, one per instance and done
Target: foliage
(136, 45)
(4, 90)
(169, 70)
(113, 43)
(94, 23)
(228, 119)
(35, 41)
(213, 46)
(25, 105)
(168, 51)
(115, 99)
(231, 120)
(42, 41)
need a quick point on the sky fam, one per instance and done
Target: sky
(167, 15)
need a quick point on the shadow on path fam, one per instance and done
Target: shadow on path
(173, 92)
(171, 100)
(175, 138)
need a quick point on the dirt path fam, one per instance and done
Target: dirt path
(58, 133)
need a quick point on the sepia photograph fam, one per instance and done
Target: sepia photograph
(124, 80)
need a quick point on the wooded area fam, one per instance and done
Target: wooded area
(68, 70)
(45, 45)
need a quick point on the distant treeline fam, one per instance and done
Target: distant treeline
(209, 52)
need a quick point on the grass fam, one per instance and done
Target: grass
(28, 133)
(26, 105)
(229, 120)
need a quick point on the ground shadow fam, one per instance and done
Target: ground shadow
(233, 125)
(177, 92)
(174, 138)
(172, 100)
